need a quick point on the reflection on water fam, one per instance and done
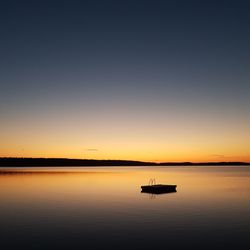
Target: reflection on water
(103, 208)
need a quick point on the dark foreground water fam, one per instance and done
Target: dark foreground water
(103, 208)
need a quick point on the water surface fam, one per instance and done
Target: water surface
(103, 208)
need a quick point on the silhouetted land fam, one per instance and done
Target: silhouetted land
(42, 162)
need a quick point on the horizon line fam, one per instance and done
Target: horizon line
(120, 161)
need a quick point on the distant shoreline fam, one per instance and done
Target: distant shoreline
(54, 162)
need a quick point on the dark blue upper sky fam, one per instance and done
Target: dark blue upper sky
(186, 57)
(124, 41)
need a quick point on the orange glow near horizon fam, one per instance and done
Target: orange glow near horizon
(141, 152)
(127, 136)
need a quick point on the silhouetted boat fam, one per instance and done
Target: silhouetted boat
(158, 189)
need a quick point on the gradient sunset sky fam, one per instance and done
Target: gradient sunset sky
(140, 80)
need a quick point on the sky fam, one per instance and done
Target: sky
(139, 80)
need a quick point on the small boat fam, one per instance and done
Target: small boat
(158, 189)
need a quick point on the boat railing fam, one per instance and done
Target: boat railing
(151, 182)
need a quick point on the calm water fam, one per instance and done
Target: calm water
(103, 208)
